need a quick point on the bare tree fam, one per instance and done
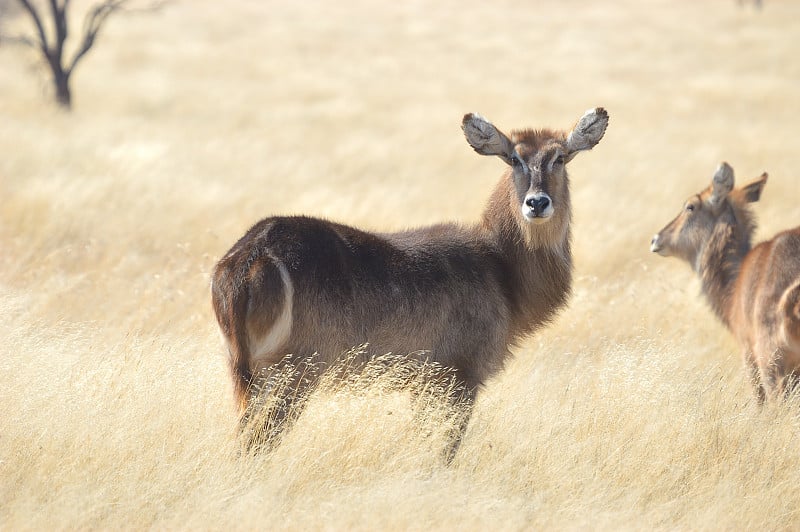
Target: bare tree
(55, 15)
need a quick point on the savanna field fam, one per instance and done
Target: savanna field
(191, 123)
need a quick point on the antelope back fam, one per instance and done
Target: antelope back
(767, 295)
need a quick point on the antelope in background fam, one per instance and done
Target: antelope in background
(754, 291)
(453, 295)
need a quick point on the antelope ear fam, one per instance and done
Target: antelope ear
(751, 192)
(485, 138)
(721, 184)
(587, 132)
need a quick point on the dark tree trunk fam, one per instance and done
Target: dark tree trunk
(63, 93)
(61, 77)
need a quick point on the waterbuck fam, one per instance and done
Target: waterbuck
(457, 296)
(754, 291)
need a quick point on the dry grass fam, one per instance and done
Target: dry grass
(191, 124)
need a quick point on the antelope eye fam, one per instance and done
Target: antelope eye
(515, 162)
(690, 207)
(559, 160)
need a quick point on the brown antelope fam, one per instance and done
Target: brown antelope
(458, 296)
(755, 291)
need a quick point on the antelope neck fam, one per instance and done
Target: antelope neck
(718, 266)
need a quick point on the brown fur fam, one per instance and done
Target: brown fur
(458, 296)
(754, 291)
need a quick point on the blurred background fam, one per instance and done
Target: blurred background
(191, 121)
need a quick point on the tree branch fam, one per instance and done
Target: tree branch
(60, 23)
(19, 39)
(94, 20)
(37, 20)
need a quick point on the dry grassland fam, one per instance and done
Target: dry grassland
(629, 412)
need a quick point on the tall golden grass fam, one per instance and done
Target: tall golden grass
(631, 411)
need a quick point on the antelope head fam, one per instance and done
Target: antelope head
(718, 206)
(537, 159)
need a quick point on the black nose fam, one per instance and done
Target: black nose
(538, 203)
